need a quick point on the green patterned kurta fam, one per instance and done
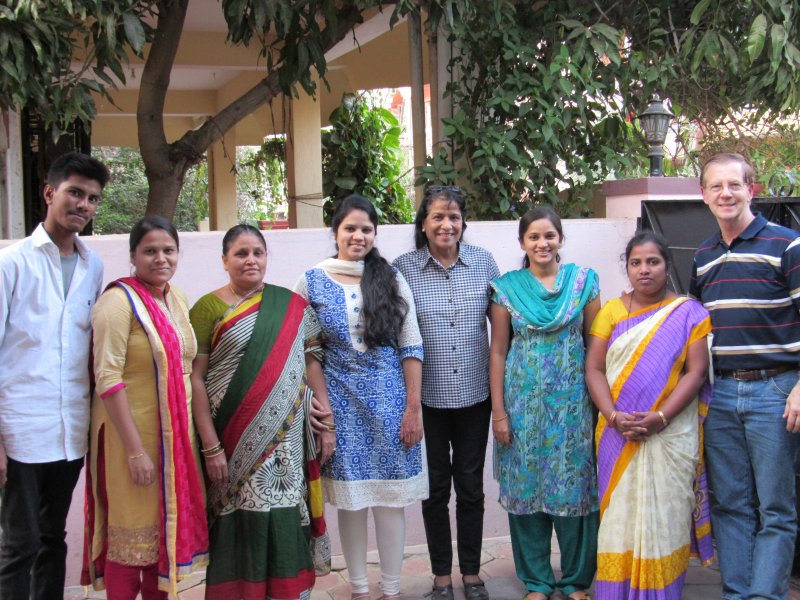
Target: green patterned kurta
(549, 465)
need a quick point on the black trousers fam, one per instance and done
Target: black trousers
(465, 431)
(33, 516)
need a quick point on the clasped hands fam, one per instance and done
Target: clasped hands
(638, 426)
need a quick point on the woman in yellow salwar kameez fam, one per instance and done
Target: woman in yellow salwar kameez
(646, 371)
(145, 510)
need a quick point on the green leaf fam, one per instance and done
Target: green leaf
(571, 23)
(730, 53)
(792, 54)
(346, 183)
(698, 11)
(756, 37)
(608, 32)
(778, 38)
(134, 32)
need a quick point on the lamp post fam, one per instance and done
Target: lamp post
(655, 120)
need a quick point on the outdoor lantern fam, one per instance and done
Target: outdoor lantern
(655, 120)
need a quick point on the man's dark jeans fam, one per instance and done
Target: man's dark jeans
(33, 515)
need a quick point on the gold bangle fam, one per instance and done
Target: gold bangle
(217, 453)
(135, 456)
(663, 418)
(503, 418)
(329, 426)
(213, 451)
(612, 418)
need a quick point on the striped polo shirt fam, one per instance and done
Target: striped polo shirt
(752, 290)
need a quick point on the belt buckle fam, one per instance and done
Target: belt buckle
(746, 374)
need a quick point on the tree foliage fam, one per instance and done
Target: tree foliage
(125, 197)
(544, 92)
(361, 154)
(42, 40)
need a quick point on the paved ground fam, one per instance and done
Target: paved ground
(497, 562)
(497, 569)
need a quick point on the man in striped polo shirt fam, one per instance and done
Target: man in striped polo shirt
(748, 276)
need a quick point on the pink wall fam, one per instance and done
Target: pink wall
(596, 243)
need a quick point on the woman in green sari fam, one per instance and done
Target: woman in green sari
(267, 530)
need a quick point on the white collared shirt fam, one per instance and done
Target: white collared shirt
(44, 349)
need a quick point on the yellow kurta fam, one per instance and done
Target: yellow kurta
(123, 355)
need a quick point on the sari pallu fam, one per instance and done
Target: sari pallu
(183, 535)
(273, 497)
(653, 494)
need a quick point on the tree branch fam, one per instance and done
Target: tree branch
(198, 140)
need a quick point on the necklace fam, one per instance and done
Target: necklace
(661, 302)
(240, 297)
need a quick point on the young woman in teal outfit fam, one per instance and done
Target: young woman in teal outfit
(541, 411)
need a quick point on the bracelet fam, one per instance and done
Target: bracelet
(135, 456)
(330, 426)
(213, 451)
(612, 418)
(503, 418)
(217, 453)
(663, 418)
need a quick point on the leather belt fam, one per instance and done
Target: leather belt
(753, 374)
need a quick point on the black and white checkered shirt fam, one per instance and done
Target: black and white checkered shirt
(452, 306)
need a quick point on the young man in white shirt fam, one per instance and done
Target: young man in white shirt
(49, 282)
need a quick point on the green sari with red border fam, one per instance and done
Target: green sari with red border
(267, 529)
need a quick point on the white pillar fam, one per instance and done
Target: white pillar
(417, 97)
(12, 206)
(222, 209)
(304, 162)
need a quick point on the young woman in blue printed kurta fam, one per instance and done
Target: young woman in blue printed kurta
(541, 412)
(372, 352)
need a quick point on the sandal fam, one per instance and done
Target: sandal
(582, 595)
(360, 596)
(530, 596)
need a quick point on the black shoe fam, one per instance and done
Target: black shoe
(475, 591)
(441, 592)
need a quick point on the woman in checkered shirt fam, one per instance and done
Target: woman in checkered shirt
(450, 283)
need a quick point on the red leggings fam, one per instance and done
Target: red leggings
(124, 582)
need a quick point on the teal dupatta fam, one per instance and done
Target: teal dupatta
(543, 309)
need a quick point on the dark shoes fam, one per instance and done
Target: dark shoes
(475, 591)
(443, 592)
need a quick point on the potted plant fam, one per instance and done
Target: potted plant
(261, 179)
(271, 214)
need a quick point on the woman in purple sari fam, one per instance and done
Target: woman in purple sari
(646, 371)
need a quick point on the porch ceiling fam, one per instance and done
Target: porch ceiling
(209, 73)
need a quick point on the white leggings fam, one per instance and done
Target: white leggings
(390, 534)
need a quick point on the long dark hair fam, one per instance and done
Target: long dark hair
(450, 193)
(534, 214)
(384, 309)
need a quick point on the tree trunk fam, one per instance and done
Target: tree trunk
(167, 164)
(164, 173)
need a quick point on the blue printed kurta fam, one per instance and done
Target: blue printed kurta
(549, 465)
(368, 398)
